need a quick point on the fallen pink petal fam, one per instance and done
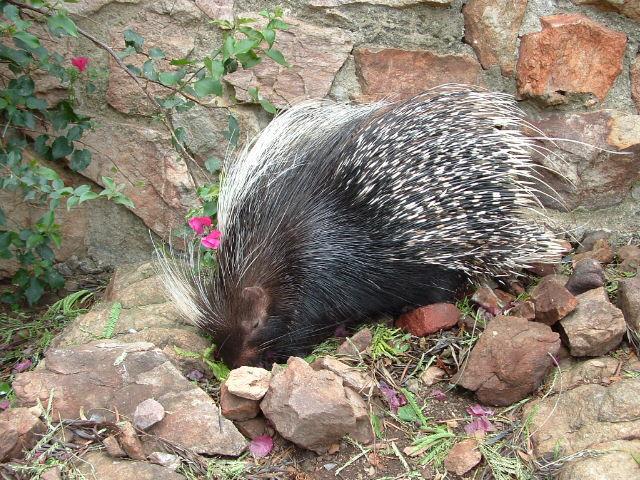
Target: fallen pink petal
(212, 241)
(4, 404)
(479, 411)
(22, 366)
(261, 446)
(395, 399)
(195, 375)
(480, 424)
(80, 63)
(198, 224)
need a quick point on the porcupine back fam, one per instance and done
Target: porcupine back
(340, 213)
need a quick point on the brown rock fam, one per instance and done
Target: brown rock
(504, 297)
(255, 427)
(248, 382)
(355, 378)
(590, 239)
(583, 417)
(362, 432)
(491, 28)
(430, 319)
(19, 431)
(388, 3)
(486, 298)
(613, 461)
(52, 474)
(571, 55)
(357, 344)
(595, 327)
(542, 269)
(237, 408)
(129, 441)
(629, 257)
(552, 300)
(594, 370)
(629, 301)
(404, 73)
(217, 9)
(315, 54)
(148, 413)
(599, 179)
(99, 466)
(462, 457)
(601, 252)
(524, 310)
(587, 275)
(310, 408)
(629, 8)
(169, 460)
(432, 375)
(634, 74)
(108, 376)
(113, 447)
(509, 361)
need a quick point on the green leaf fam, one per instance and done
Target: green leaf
(36, 103)
(45, 253)
(253, 93)
(268, 106)
(213, 164)
(243, 46)
(29, 40)
(87, 196)
(228, 47)
(124, 200)
(156, 53)
(3, 217)
(207, 86)
(209, 209)
(186, 353)
(149, 70)
(269, 35)
(34, 292)
(249, 59)
(47, 173)
(60, 24)
(276, 24)
(171, 78)
(5, 389)
(74, 133)
(276, 56)
(219, 369)
(61, 148)
(34, 240)
(72, 202)
(80, 160)
(54, 279)
(178, 62)
(234, 130)
(132, 39)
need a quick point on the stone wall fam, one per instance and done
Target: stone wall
(573, 65)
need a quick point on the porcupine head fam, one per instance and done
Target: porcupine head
(341, 213)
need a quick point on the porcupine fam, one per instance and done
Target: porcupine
(341, 213)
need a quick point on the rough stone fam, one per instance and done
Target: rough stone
(524, 310)
(394, 74)
(255, 427)
(595, 370)
(19, 430)
(486, 298)
(587, 176)
(248, 382)
(148, 413)
(108, 376)
(571, 55)
(237, 408)
(629, 301)
(509, 361)
(357, 344)
(601, 252)
(634, 74)
(552, 300)
(52, 474)
(587, 275)
(462, 457)
(432, 375)
(169, 460)
(491, 28)
(310, 408)
(362, 431)
(99, 466)
(629, 8)
(113, 447)
(595, 327)
(629, 257)
(615, 462)
(590, 238)
(430, 319)
(352, 377)
(129, 441)
(217, 9)
(584, 416)
(315, 54)
(386, 3)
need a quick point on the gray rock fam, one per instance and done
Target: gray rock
(352, 377)
(616, 462)
(109, 376)
(595, 327)
(100, 466)
(169, 460)
(148, 413)
(587, 275)
(629, 301)
(248, 382)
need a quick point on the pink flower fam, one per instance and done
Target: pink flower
(22, 366)
(261, 446)
(198, 224)
(394, 398)
(80, 63)
(439, 395)
(479, 411)
(212, 240)
(4, 404)
(479, 424)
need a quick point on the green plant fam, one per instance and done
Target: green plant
(388, 342)
(433, 445)
(112, 320)
(217, 367)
